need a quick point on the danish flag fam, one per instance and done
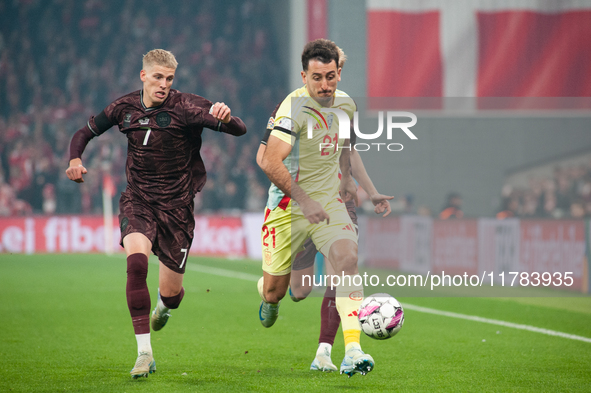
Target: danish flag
(478, 48)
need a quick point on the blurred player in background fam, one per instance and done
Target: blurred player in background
(303, 264)
(452, 208)
(164, 172)
(309, 176)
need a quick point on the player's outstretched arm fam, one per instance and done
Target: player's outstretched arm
(230, 124)
(95, 127)
(77, 146)
(272, 164)
(381, 202)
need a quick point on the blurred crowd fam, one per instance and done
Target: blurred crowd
(65, 60)
(567, 194)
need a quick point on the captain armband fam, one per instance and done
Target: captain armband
(99, 124)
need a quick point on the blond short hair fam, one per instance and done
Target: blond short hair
(159, 57)
(342, 57)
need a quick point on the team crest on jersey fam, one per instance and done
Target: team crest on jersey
(144, 122)
(329, 119)
(163, 119)
(268, 258)
(127, 120)
(357, 295)
(270, 123)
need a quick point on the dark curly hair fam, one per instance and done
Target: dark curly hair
(322, 50)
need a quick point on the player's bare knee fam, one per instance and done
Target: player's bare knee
(343, 254)
(345, 262)
(305, 290)
(301, 292)
(170, 292)
(349, 264)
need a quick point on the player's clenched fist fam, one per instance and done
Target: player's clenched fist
(76, 170)
(221, 111)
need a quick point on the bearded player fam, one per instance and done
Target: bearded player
(164, 172)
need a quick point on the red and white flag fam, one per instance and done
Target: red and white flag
(479, 48)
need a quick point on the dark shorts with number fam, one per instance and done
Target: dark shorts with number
(170, 231)
(305, 259)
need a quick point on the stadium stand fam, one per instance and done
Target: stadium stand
(64, 64)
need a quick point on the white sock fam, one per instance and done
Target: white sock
(352, 345)
(324, 349)
(143, 343)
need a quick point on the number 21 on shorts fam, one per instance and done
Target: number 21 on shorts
(266, 233)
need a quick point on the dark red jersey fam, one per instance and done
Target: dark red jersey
(164, 165)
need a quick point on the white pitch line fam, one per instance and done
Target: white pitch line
(252, 277)
(496, 322)
(222, 272)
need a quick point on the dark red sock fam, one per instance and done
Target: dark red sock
(138, 296)
(329, 318)
(173, 302)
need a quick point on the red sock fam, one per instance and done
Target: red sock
(138, 296)
(329, 318)
(173, 302)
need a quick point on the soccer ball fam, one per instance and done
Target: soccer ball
(381, 316)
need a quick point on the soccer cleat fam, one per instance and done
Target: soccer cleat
(323, 362)
(356, 361)
(293, 297)
(160, 315)
(268, 313)
(144, 365)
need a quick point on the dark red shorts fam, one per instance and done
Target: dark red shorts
(170, 231)
(306, 258)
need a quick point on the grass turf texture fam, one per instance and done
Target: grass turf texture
(65, 327)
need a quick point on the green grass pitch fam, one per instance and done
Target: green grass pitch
(64, 326)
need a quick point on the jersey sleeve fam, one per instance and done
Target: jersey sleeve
(284, 127)
(112, 114)
(266, 136)
(270, 125)
(94, 127)
(198, 114)
(100, 123)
